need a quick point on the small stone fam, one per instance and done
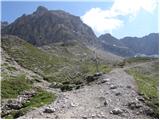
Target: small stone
(116, 111)
(141, 94)
(118, 93)
(98, 74)
(57, 117)
(133, 105)
(148, 111)
(105, 103)
(128, 86)
(105, 80)
(84, 117)
(93, 115)
(73, 105)
(141, 99)
(113, 87)
(49, 110)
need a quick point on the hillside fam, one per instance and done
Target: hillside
(131, 46)
(63, 69)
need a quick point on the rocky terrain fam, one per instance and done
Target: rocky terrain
(54, 66)
(113, 95)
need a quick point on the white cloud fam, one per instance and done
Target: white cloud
(102, 21)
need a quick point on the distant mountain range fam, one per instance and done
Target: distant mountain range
(44, 27)
(131, 46)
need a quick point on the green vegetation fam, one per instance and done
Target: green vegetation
(138, 59)
(41, 98)
(147, 81)
(12, 87)
(61, 63)
(133, 60)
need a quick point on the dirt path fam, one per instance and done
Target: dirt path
(101, 99)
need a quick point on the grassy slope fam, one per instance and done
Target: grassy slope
(147, 78)
(13, 86)
(60, 67)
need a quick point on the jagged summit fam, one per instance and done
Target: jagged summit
(49, 26)
(41, 9)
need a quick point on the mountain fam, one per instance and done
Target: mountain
(148, 45)
(45, 26)
(131, 46)
(113, 45)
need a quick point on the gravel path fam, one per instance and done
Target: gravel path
(109, 97)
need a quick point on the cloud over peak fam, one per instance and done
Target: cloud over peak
(102, 21)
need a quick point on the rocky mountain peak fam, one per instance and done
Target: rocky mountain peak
(41, 10)
(49, 26)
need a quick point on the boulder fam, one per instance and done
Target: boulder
(15, 105)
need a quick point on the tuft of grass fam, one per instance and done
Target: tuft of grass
(12, 87)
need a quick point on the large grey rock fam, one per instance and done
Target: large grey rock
(14, 105)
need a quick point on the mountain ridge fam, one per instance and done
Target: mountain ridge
(131, 46)
(44, 27)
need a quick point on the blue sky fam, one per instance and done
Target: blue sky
(118, 18)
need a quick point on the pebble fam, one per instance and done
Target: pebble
(113, 87)
(116, 111)
(118, 93)
(128, 86)
(141, 99)
(133, 105)
(105, 80)
(74, 105)
(84, 117)
(105, 102)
